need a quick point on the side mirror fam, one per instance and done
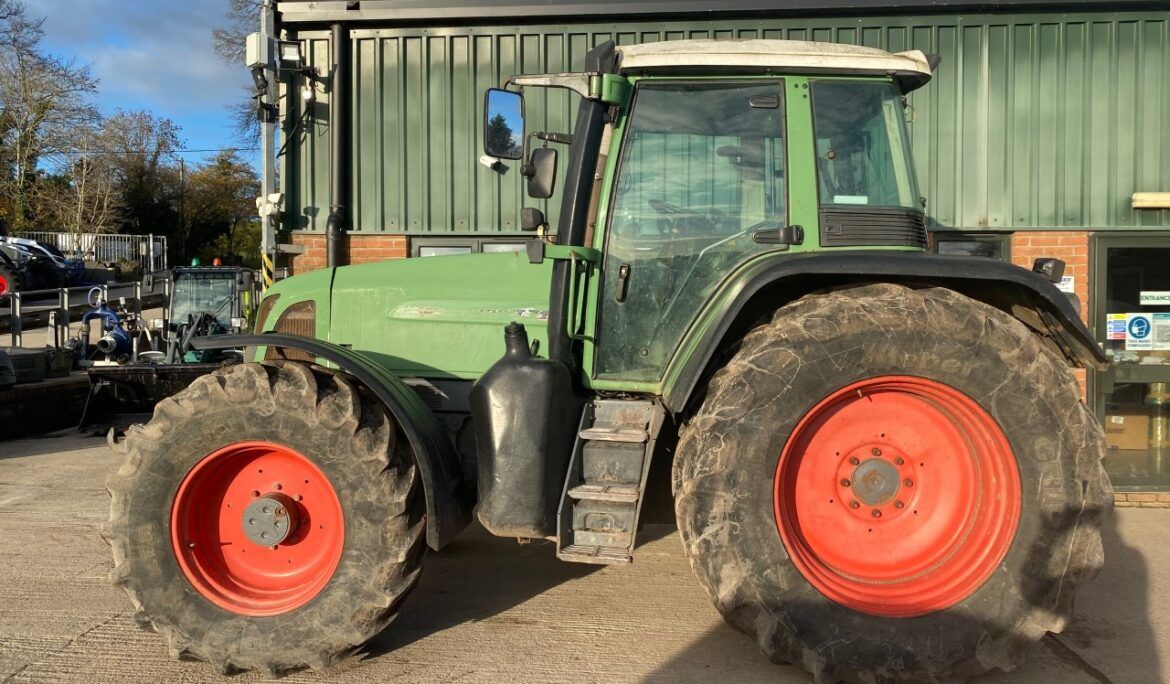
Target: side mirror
(503, 124)
(541, 171)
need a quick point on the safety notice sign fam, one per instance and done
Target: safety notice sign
(1161, 331)
(1139, 332)
(1115, 326)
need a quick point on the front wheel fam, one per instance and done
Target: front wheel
(888, 484)
(268, 516)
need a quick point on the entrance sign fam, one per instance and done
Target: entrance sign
(1154, 298)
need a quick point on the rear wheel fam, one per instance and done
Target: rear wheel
(891, 484)
(9, 280)
(269, 516)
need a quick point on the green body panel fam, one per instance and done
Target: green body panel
(1034, 120)
(439, 317)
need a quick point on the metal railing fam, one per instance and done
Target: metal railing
(58, 303)
(150, 250)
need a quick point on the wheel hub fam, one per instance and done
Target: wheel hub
(270, 519)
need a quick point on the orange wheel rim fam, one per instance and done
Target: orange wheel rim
(257, 528)
(897, 496)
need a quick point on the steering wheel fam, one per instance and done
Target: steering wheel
(674, 214)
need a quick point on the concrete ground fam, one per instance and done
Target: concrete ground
(488, 610)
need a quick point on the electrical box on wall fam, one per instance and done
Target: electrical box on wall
(258, 50)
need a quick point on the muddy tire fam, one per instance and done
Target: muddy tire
(889, 484)
(300, 454)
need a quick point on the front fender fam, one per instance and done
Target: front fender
(768, 283)
(448, 509)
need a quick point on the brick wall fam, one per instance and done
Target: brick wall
(356, 248)
(1142, 499)
(1073, 248)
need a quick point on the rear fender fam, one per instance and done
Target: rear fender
(448, 506)
(764, 285)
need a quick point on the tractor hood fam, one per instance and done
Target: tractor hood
(437, 317)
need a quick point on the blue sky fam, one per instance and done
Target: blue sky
(155, 55)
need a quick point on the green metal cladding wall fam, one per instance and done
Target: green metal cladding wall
(1032, 121)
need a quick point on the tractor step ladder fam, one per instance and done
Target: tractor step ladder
(598, 517)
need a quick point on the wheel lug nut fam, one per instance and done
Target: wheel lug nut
(876, 451)
(853, 460)
(845, 482)
(899, 504)
(899, 460)
(255, 493)
(299, 497)
(908, 482)
(279, 487)
(877, 513)
(854, 504)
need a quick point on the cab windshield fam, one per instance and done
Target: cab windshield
(195, 294)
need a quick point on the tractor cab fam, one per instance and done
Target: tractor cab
(715, 154)
(205, 301)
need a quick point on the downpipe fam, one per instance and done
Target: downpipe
(339, 146)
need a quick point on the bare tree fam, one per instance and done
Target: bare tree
(84, 197)
(43, 102)
(242, 18)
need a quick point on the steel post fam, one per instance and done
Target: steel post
(16, 313)
(268, 153)
(63, 305)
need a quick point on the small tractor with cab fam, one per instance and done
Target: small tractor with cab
(881, 464)
(135, 363)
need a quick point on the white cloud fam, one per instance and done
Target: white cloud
(155, 54)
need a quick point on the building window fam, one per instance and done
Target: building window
(440, 246)
(990, 245)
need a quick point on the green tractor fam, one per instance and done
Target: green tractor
(881, 464)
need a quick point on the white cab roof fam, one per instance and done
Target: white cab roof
(911, 69)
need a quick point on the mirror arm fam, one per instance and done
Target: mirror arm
(578, 83)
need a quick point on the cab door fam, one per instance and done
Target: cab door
(702, 168)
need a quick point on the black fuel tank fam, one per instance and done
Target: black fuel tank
(526, 414)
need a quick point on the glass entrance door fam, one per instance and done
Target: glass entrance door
(1131, 316)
